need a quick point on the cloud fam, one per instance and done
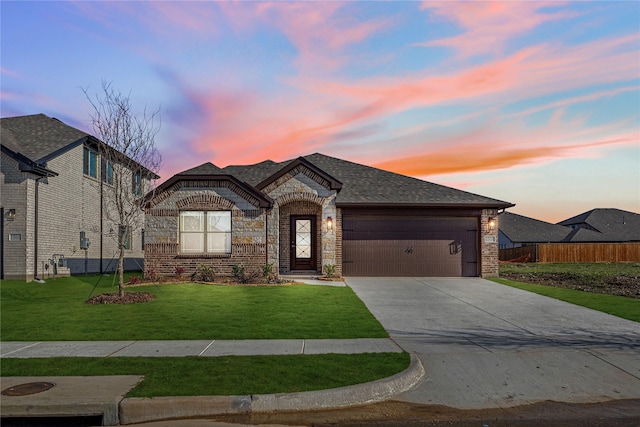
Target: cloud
(489, 25)
(491, 149)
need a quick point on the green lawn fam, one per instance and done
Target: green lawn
(627, 308)
(204, 376)
(56, 311)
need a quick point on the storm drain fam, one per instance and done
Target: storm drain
(27, 389)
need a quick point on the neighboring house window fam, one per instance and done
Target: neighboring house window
(107, 171)
(205, 232)
(124, 236)
(136, 184)
(90, 162)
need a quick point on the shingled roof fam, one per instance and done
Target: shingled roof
(522, 229)
(38, 136)
(367, 186)
(604, 225)
(33, 140)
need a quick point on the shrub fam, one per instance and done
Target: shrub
(205, 273)
(134, 280)
(241, 275)
(179, 270)
(151, 274)
(267, 273)
(330, 270)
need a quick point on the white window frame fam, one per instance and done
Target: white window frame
(209, 233)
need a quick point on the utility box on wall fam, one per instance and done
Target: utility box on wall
(84, 241)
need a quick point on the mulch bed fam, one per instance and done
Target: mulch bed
(114, 298)
(623, 285)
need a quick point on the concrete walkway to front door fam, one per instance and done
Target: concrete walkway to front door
(485, 345)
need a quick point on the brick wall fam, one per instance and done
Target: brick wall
(67, 204)
(248, 228)
(15, 188)
(489, 244)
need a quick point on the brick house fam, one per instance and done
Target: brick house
(53, 201)
(303, 214)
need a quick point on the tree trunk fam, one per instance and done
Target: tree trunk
(121, 272)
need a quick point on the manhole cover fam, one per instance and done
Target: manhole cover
(28, 388)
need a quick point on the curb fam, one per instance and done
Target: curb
(140, 409)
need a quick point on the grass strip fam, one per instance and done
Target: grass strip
(627, 308)
(56, 311)
(208, 376)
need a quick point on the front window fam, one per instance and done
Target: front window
(205, 232)
(90, 162)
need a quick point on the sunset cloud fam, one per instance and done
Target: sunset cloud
(473, 89)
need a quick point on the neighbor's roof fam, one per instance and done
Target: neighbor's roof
(522, 229)
(606, 225)
(38, 136)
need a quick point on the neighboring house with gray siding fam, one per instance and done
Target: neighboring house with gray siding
(304, 214)
(52, 192)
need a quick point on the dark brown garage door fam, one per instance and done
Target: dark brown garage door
(409, 246)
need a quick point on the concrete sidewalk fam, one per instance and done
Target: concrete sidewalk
(203, 348)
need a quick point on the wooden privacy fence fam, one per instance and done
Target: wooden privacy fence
(574, 252)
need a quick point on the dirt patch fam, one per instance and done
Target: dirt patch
(395, 413)
(620, 285)
(128, 298)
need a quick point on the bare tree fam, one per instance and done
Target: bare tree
(129, 163)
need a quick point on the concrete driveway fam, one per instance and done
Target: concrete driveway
(485, 345)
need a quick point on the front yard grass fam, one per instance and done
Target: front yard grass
(627, 308)
(205, 376)
(56, 311)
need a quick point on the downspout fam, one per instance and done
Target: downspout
(35, 233)
(101, 223)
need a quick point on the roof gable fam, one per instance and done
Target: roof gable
(330, 182)
(177, 181)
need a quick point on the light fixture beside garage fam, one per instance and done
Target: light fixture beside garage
(329, 223)
(491, 223)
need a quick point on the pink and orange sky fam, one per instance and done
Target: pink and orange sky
(535, 103)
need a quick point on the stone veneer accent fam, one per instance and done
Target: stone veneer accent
(301, 192)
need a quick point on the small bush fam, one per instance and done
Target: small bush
(151, 274)
(330, 270)
(240, 274)
(267, 273)
(179, 270)
(134, 280)
(205, 273)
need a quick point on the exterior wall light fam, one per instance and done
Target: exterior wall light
(11, 214)
(329, 223)
(492, 223)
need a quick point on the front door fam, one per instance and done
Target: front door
(303, 242)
